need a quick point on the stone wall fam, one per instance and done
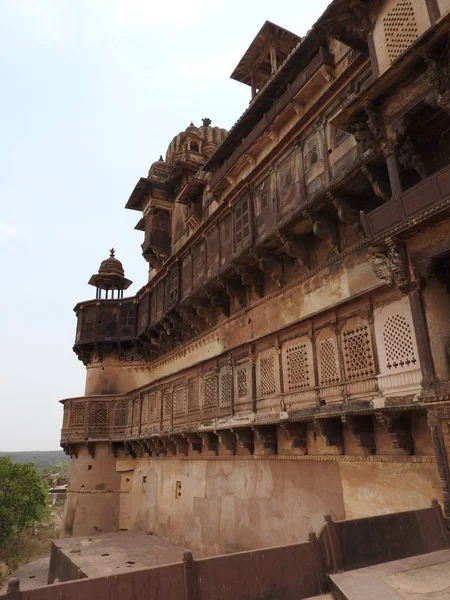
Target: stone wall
(219, 505)
(92, 504)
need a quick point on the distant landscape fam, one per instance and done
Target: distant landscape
(42, 459)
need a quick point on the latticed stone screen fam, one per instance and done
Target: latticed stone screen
(78, 414)
(99, 414)
(298, 367)
(120, 414)
(242, 382)
(194, 394)
(151, 410)
(225, 387)
(210, 391)
(329, 372)
(179, 400)
(268, 380)
(398, 342)
(357, 349)
(400, 28)
(167, 403)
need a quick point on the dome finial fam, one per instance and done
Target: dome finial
(192, 124)
(161, 157)
(206, 122)
(112, 253)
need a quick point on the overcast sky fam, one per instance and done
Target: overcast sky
(93, 91)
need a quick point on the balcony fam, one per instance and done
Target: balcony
(424, 199)
(105, 321)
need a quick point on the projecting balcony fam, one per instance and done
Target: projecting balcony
(418, 202)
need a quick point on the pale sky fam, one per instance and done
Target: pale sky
(93, 91)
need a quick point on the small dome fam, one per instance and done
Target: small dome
(210, 137)
(159, 169)
(192, 129)
(111, 266)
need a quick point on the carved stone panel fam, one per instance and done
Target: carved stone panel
(267, 373)
(179, 400)
(210, 389)
(243, 385)
(225, 386)
(328, 366)
(194, 394)
(297, 361)
(400, 372)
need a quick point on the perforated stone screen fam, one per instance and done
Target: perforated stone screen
(329, 372)
(77, 414)
(167, 403)
(357, 348)
(398, 342)
(210, 391)
(194, 394)
(120, 414)
(298, 367)
(267, 375)
(179, 400)
(225, 387)
(400, 28)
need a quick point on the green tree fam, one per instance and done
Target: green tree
(23, 501)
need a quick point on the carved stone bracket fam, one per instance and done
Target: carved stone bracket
(210, 442)
(194, 441)
(353, 26)
(70, 450)
(331, 429)
(129, 449)
(346, 213)
(296, 247)
(180, 443)
(244, 439)
(368, 129)
(206, 312)
(273, 265)
(379, 183)
(267, 437)
(219, 300)
(250, 278)
(296, 434)
(325, 228)
(192, 319)
(362, 428)
(227, 439)
(233, 289)
(389, 264)
(399, 429)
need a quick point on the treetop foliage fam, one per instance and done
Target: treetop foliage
(23, 499)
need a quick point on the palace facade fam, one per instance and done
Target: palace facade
(289, 356)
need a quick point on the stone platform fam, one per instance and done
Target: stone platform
(422, 577)
(114, 553)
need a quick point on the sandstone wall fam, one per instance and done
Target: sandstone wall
(215, 506)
